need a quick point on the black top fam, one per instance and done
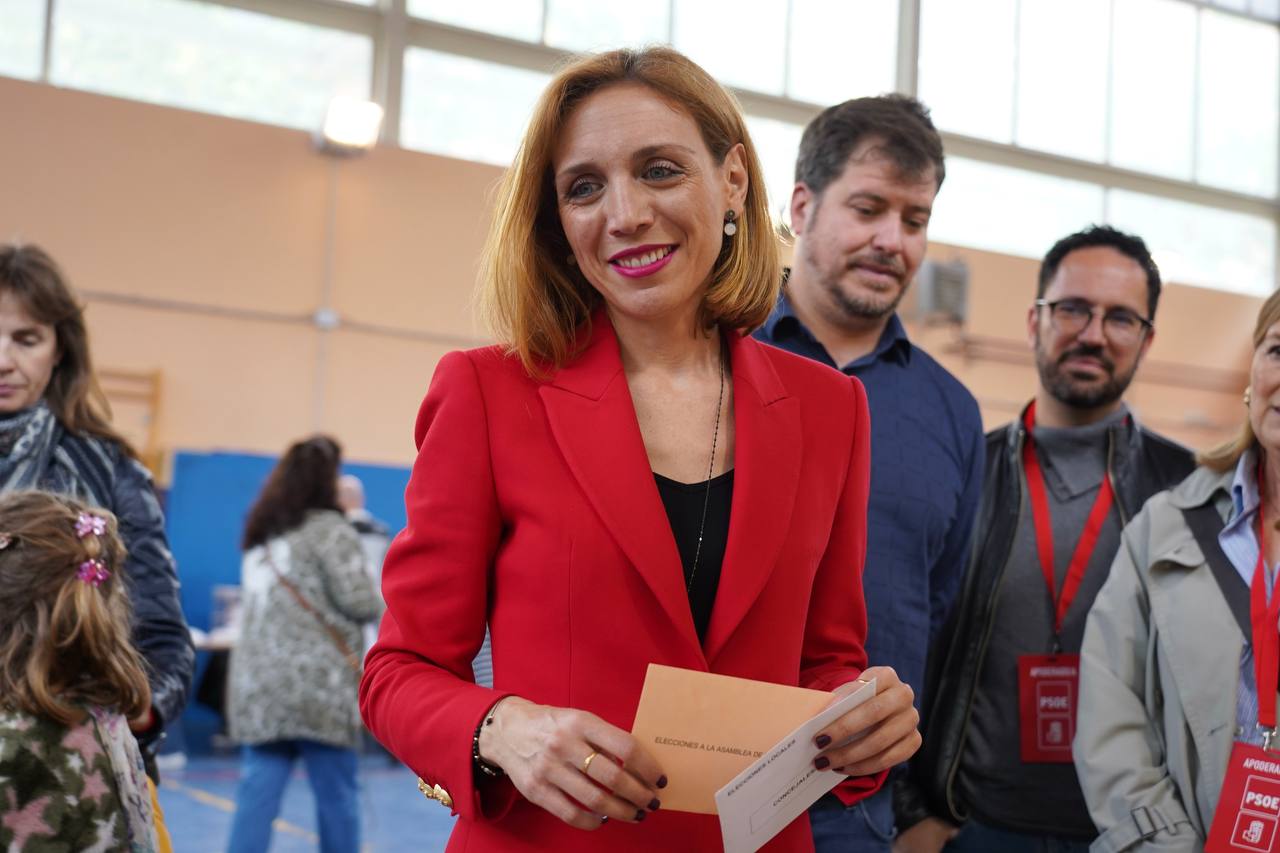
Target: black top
(684, 502)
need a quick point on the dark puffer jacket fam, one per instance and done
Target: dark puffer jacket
(100, 472)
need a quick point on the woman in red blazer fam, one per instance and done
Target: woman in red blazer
(629, 480)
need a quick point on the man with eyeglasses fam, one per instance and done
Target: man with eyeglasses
(1061, 482)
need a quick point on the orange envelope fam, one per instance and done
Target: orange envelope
(705, 729)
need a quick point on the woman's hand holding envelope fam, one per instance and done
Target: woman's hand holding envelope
(572, 763)
(886, 727)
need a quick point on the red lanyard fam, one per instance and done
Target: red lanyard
(1044, 530)
(1264, 615)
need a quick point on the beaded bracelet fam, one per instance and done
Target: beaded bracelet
(486, 767)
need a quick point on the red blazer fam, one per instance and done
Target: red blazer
(532, 507)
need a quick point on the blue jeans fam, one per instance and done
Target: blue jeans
(979, 838)
(264, 772)
(864, 827)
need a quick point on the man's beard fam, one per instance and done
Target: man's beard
(856, 305)
(1080, 394)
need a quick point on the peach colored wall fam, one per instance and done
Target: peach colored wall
(137, 200)
(1189, 387)
(190, 209)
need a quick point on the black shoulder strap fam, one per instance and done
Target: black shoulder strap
(1206, 524)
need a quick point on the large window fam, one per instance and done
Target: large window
(840, 50)
(208, 57)
(1153, 92)
(969, 91)
(776, 143)
(815, 51)
(1061, 77)
(1269, 9)
(21, 34)
(517, 19)
(1240, 103)
(593, 25)
(446, 120)
(1010, 210)
(1161, 116)
(1018, 212)
(1201, 245)
(745, 48)
(1160, 86)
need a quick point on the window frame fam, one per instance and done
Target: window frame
(392, 30)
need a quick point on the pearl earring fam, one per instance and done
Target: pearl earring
(730, 227)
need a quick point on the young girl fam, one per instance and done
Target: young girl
(71, 775)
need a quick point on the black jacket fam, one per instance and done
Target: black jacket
(1140, 463)
(119, 483)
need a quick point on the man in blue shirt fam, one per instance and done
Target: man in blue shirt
(866, 177)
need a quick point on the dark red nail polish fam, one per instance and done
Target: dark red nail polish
(654, 804)
(821, 741)
(662, 781)
(821, 762)
(639, 815)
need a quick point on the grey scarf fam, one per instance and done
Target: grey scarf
(27, 442)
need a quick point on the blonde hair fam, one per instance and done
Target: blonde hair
(64, 643)
(532, 300)
(1225, 456)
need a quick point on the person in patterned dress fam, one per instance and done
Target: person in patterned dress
(71, 773)
(291, 688)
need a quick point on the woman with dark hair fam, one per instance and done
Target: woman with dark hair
(56, 435)
(294, 670)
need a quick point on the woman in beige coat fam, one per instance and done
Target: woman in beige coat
(1166, 675)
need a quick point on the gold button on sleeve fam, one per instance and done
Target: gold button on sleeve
(443, 797)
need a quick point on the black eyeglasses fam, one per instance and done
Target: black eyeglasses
(1072, 316)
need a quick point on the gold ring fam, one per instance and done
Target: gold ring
(586, 763)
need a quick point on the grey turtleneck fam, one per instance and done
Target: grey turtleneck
(999, 788)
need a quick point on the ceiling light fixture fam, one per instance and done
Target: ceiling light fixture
(351, 126)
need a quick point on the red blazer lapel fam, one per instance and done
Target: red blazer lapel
(767, 451)
(593, 421)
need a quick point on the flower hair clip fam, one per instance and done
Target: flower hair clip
(93, 572)
(89, 524)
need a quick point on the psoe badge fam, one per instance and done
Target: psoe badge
(1048, 686)
(1247, 819)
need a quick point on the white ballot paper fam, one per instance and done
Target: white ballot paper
(768, 795)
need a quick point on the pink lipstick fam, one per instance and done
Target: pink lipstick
(642, 260)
